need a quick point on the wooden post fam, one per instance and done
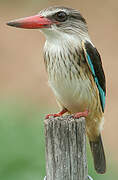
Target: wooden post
(65, 148)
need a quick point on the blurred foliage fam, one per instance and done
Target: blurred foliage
(21, 144)
(22, 149)
(23, 4)
(22, 1)
(18, 2)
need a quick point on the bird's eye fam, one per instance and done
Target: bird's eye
(61, 16)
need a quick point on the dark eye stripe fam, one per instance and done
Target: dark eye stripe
(62, 16)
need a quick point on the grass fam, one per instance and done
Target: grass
(22, 152)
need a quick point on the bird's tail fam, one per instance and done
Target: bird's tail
(98, 155)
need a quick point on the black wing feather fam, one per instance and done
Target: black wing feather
(97, 64)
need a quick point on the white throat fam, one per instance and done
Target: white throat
(55, 37)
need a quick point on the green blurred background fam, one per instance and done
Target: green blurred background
(25, 97)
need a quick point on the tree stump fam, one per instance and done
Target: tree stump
(65, 148)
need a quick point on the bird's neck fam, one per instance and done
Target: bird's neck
(64, 43)
(58, 38)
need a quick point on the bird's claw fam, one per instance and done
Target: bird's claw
(57, 114)
(81, 114)
(54, 115)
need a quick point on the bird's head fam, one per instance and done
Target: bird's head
(54, 21)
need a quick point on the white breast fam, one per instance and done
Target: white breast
(74, 94)
(67, 79)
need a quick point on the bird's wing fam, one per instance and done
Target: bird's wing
(95, 65)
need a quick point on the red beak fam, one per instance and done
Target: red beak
(32, 22)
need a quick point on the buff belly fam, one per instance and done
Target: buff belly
(77, 95)
(74, 94)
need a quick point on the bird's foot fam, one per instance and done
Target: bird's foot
(57, 114)
(81, 114)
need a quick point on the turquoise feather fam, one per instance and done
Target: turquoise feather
(101, 92)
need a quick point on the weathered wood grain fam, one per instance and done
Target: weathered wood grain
(65, 148)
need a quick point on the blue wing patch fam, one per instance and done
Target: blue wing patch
(101, 92)
(94, 62)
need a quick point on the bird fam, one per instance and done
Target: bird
(75, 70)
